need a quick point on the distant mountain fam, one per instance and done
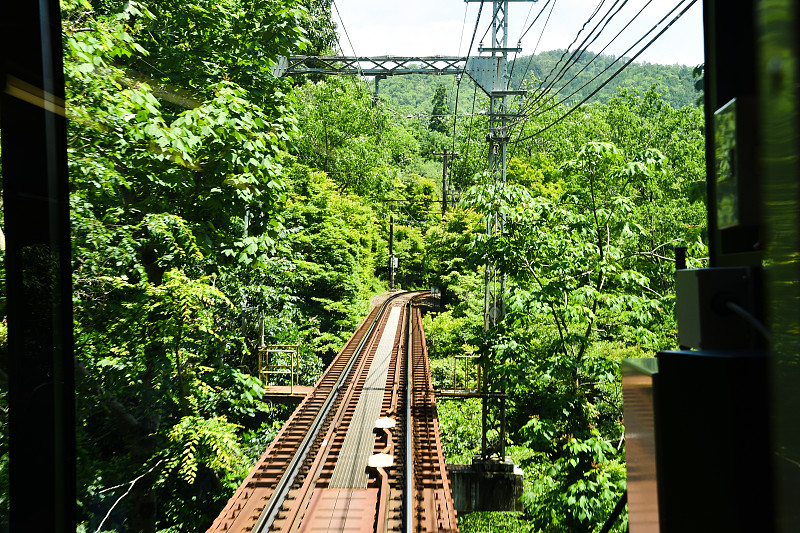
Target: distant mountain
(413, 94)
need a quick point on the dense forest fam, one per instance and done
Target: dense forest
(213, 204)
(412, 94)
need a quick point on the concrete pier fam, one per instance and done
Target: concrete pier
(486, 486)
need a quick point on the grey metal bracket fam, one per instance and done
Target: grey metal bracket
(499, 49)
(487, 72)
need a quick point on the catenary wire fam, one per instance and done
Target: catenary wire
(623, 67)
(593, 59)
(566, 51)
(457, 79)
(530, 60)
(578, 52)
(358, 65)
(519, 43)
(514, 64)
(620, 57)
(459, 76)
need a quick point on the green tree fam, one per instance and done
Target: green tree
(439, 111)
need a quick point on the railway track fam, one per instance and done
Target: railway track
(362, 451)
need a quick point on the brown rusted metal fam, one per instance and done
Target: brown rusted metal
(435, 510)
(311, 503)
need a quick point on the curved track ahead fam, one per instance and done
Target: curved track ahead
(346, 458)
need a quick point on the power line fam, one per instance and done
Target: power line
(623, 67)
(578, 52)
(457, 79)
(514, 64)
(459, 76)
(622, 56)
(469, 130)
(358, 63)
(566, 51)
(593, 59)
(530, 61)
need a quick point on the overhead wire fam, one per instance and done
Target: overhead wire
(514, 63)
(469, 130)
(457, 79)
(566, 51)
(620, 57)
(578, 52)
(460, 76)
(575, 76)
(519, 45)
(358, 65)
(530, 60)
(622, 68)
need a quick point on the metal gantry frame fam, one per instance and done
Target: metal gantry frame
(378, 66)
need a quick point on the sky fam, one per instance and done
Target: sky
(445, 27)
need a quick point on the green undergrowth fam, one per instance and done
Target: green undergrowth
(495, 522)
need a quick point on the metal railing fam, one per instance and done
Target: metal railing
(273, 359)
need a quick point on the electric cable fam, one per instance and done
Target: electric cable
(358, 63)
(595, 57)
(566, 51)
(524, 33)
(514, 64)
(623, 67)
(460, 76)
(519, 43)
(535, 113)
(530, 60)
(457, 79)
(578, 52)
(358, 66)
(469, 130)
(530, 10)
(751, 319)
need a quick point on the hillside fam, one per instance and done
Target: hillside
(413, 93)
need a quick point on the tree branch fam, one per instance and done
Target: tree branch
(130, 487)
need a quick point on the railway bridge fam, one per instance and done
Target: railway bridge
(362, 451)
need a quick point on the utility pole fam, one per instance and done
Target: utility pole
(446, 155)
(491, 75)
(391, 253)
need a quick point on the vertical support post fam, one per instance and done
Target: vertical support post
(447, 156)
(391, 253)
(444, 184)
(494, 302)
(41, 364)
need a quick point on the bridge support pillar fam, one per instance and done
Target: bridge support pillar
(486, 485)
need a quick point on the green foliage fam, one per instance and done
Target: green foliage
(495, 522)
(460, 429)
(439, 111)
(209, 198)
(344, 134)
(177, 140)
(211, 442)
(590, 212)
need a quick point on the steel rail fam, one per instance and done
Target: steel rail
(278, 497)
(408, 506)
